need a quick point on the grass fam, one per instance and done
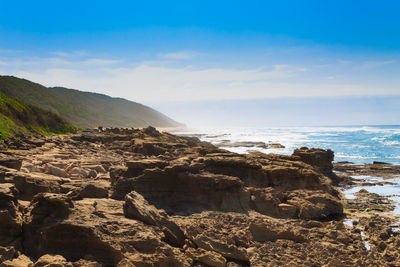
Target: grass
(17, 118)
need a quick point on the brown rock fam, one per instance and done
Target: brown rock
(10, 217)
(210, 258)
(320, 158)
(7, 253)
(52, 261)
(30, 184)
(136, 207)
(21, 261)
(11, 162)
(56, 171)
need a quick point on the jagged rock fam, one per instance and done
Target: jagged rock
(116, 173)
(97, 168)
(193, 205)
(86, 263)
(10, 217)
(262, 232)
(151, 131)
(207, 191)
(149, 149)
(267, 201)
(50, 169)
(94, 190)
(7, 253)
(31, 184)
(136, 207)
(136, 167)
(322, 159)
(79, 172)
(21, 261)
(52, 261)
(224, 233)
(11, 162)
(288, 211)
(233, 264)
(316, 205)
(48, 231)
(210, 258)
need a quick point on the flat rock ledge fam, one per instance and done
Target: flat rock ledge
(140, 197)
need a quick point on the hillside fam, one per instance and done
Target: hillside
(84, 109)
(16, 118)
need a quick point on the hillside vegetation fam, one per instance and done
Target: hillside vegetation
(17, 117)
(84, 109)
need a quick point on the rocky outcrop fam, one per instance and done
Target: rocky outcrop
(322, 159)
(192, 192)
(130, 197)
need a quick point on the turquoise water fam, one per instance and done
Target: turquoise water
(358, 144)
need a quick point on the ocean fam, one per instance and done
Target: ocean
(357, 144)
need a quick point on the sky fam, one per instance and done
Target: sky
(186, 58)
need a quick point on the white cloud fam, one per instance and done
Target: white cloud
(77, 53)
(159, 83)
(344, 61)
(180, 55)
(376, 64)
(99, 61)
(153, 81)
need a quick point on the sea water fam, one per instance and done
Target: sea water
(357, 144)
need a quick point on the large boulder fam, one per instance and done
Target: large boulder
(136, 207)
(319, 158)
(30, 184)
(192, 192)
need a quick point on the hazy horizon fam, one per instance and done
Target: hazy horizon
(196, 61)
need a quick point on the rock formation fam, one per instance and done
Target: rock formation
(130, 197)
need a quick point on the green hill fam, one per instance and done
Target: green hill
(16, 118)
(84, 109)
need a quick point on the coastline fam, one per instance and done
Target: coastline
(140, 197)
(371, 192)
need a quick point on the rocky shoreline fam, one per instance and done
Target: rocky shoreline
(130, 197)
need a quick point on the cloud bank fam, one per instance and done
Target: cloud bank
(166, 78)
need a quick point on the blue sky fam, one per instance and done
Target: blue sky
(181, 51)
